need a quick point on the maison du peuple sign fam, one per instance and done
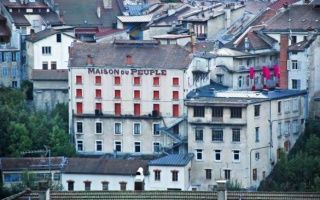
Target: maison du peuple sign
(139, 72)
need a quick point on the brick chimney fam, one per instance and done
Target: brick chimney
(283, 61)
(89, 60)
(129, 60)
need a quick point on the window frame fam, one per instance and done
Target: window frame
(199, 152)
(154, 131)
(199, 111)
(220, 136)
(196, 134)
(115, 128)
(216, 153)
(234, 112)
(116, 143)
(97, 145)
(134, 129)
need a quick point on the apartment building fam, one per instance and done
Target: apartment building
(236, 135)
(124, 95)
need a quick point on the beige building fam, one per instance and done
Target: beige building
(236, 135)
(127, 97)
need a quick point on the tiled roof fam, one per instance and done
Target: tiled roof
(301, 46)
(50, 75)
(32, 163)
(256, 42)
(35, 37)
(280, 4)
(144, 54)
(104, 166)
(19, 19)
(302, 18)
(172, 160)
(176, 195)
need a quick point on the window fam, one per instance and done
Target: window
(136, 109)
(295, 105)
(99, 107)
(236, 112)
(14, 84)
(79, 108)
(59, 37)
(257, 134)
(156, 94)
(294, 64)
(98, 127)
(175, 95)
(98, 93)
(208, 174)
(295, 84)
(14, 56)
(287, 106)
(57, 176)
(156, 81)
(136, 94)
(156, 107)
(174, 175)
(117, 80)
(98, 80)
(123, 186)
(220, 78)
(136, 81)
(198, 154)
(136, 128)
(217, 155)
(117, 109)
(98, 145)
(45, 65)
(295, 126)
(198, 111)
(254, 174)
(227, 174)
(78, 93)
(279, 129)
(236, 155)
(87, 185)
(217, 135)
(257, 155)
(117, 128)
(156, 147)
(79, 145)
(287, 128)
(279, 107)
(105, 185)
(157, 175)
(217, 111)
(137, 147)
(198, 134)
(175, 110)
(175, 81)
(70, 185)
(156, 129)
(256, 110)
(53, 65)
(79, 127)
(117, 94)
(293, 39)
(46, 50)
(236, 135)
(78, 79)
(117, 146)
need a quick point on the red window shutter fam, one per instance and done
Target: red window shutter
(136, 94)
(136, 80)
(78, 79)
(156, 94)
(156, 81)
(175, 81)
(175, 110)
(117, 94)
(79, 108)
(98, 80)
(137, 109)
(175, 95)
(98, 106)
(117, 80)
(156, 107)
(117, 109)
(98, 93)
(79, 93)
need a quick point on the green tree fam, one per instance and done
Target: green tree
(59, 142)
(19, 139)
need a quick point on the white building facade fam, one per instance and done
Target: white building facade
(236, 135)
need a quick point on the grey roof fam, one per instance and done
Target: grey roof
(31, 163)
(35, 37)
(144, 54)
(301, 46)
(172, 160)
(206, 91)
(104, 166)
(50, 75)
(302, 18)
(82, 13)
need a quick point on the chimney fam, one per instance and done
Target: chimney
(89, 60)
(283, 61)
(129, 60)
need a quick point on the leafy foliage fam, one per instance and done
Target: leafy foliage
(22, 128)
(300, 170)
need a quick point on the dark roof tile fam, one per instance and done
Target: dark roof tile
(172, 160)
(50, 75)
(31, 163)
